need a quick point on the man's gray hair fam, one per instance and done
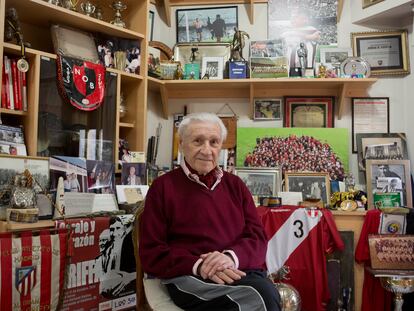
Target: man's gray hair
(202, 117)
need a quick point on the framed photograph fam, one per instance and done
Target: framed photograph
(333, 57)
(312, 185)
(206, 24)
(12, 141)
(133, 174)
(267, 108)
(151, 17)
(261, 181)
(309, 112)
(385, 51)
(389, 176)
(377, 146)
(11, 166)
(212, 67)
(367, 3)
(369, 115)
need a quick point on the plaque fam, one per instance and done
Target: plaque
(237, 70)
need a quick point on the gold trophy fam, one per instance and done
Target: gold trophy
(71, 5)
(88, 8)
(118, 6)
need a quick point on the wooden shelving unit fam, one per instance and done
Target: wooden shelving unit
(13, 227)
(341, 88)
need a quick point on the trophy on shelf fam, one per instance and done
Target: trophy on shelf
(118, 6)
(98, 12)
(71, 5)
(88, 8)
(236, 66)
(55, 2)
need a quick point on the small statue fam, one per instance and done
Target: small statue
(194, 51)
(206, 76)
(23, 194)
(179, 73)
(238, 44)
(322, 71)
(303, 58)
(12, 28)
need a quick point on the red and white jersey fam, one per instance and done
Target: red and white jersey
(300, 238)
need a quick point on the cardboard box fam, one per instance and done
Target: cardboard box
(391, 251)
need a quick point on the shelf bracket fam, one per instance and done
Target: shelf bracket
(164, 100)
(166, 6)
(339, 10)
(250, 11)
(343, 91)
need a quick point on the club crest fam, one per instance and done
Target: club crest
(25, 279)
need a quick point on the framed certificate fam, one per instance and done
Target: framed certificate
(369, 115)
(309, 112)
(386, 52)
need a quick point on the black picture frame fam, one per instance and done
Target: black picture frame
(186, 31)
(369, 101)
(151, 17)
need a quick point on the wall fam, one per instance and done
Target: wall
(397, 89)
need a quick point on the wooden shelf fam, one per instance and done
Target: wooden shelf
(341, 88)
(126, 76)
(44, 14)
(41, 224)
(126, 124)
(13, 112)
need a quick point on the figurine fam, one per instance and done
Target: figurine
(194, 51)
(303, 58)
(238, 44)
(322, 71)
(179, 73)
(206, 76)
(23, 194)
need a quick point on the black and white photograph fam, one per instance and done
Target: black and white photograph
(101, 176)
(333, 57)
(72, 170)
(212, 68)
(207, 24)
(312, 185)
(11, 166)
(261, 182)
(310, 22)
(133, 174)
(268, 108)
(384, 176)
(12, 140)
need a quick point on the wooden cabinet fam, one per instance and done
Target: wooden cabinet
(341, 88)
(36, 17)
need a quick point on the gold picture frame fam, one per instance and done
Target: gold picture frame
(385, 51)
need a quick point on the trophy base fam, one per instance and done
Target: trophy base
(236, 70)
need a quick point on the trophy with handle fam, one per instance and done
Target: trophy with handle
(88, 8)
(118, 6)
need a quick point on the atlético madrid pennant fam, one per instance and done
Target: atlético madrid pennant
(82, 83)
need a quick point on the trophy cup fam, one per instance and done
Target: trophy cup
(55, 2)
(71, 5)
(118, 6)
(87, 8)
(98, 13)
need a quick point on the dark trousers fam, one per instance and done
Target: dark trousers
(255, 279)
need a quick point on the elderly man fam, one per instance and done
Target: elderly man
(200, 232)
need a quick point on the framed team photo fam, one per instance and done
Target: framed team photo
(312, 185)
(267, 109)
(261, 181)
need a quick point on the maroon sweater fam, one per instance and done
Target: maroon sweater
(183, 219)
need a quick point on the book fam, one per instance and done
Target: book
(9, 83)
(15, 82)
(24, 90)
(3, 88)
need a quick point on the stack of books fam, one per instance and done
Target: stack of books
(14, 86)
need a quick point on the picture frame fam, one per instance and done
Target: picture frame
(313, 185)
(267, 109)
(151, 17)
(381, 174)
(377, 146)
(385, 51)
(369, 115)
(13, 165)
(368, 3)
(213, 67)
(214, 24)
(12, 141)
(333, 57)
(261, 181)
(133, 174)
(309, 111)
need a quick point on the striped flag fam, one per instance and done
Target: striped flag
(32, 270)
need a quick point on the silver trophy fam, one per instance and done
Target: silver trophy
(98, 13)
(87, 8)
(118, 6)
(55, 2)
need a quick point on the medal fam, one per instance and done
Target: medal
(22, 65)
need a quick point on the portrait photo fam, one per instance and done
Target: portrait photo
(101, 176)
(133, 174)
(312, 185)
(207, 24)
(268, 108)
(388, 176)
(333, 57)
